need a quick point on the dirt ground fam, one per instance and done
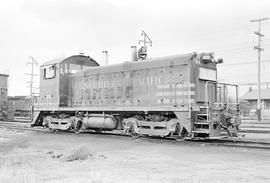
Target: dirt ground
(52, 157)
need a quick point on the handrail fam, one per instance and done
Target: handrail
(225, 93)
(227, 103)
(189, 101)
(189, 95)
(228, 84)
(206, 102)
(237, 99)
(175, 91)
(206, 98)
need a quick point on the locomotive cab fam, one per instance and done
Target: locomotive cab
(54, 79)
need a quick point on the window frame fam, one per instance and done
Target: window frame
(52, 71)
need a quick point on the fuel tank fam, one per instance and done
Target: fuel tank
(106, 122)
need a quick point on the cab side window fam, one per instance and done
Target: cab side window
(49, 72)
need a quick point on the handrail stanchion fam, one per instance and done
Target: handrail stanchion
(189, 95)
(189, 100)
(206, 100)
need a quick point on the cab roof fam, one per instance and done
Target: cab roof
(4, 75)
(75, 59)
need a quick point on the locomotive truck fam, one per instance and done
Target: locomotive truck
(174, 96)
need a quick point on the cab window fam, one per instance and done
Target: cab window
(73, 68)
(49, 72)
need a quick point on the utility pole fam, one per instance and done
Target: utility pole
(32, 63)
(259, 49)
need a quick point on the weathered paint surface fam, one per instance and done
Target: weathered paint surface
(160, 82)
(152, 86)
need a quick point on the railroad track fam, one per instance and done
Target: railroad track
(255, 131)
(238, 143)
(20, 126)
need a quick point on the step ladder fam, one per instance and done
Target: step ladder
(201, 125)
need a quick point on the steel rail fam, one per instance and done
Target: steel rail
(237, 143)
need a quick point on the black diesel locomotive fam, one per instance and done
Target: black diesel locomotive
(176, 96)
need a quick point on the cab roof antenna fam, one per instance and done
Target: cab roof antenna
(142, 53)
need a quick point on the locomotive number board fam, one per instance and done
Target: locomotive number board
(208, 74)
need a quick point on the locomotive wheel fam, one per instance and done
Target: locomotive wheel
(181, 133)
(133, 134)
(178, 136)
(46, 122)
(79, 127)
(129, 127)
(178, 129)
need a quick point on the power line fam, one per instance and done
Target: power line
(235, 49)
(245, 63)
(244, 43)
(251, 83)
(217, 33)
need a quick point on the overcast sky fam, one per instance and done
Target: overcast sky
(60, 28)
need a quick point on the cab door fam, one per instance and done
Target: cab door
(211, 92)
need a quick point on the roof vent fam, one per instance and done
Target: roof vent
(133, 53)
(105, 57)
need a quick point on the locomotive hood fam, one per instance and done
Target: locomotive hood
(147, 63)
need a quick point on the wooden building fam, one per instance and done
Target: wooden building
(251, 96)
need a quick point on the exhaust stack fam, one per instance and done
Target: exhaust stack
(105, 57)
(133, 50)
